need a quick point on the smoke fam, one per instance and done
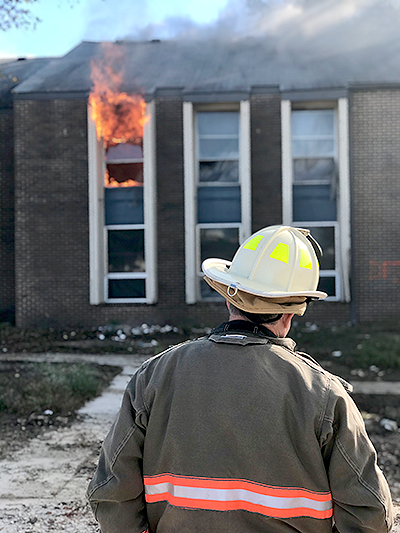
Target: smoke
(335, 25)
(108, 20)
(317, 27)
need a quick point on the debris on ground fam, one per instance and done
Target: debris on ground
(146, 339)
(68, 517)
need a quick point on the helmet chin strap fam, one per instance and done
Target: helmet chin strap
(260, 319)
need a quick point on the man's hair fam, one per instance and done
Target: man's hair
(256, 318)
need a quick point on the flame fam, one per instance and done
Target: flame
(112, 182)
(128, 183)
(119, 117)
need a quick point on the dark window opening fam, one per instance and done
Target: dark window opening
(126, 288)
(126, 251)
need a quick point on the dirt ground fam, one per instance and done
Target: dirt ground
(77, 440)
(381, 414)
(70, 452)
(44, 478)
(16, 432)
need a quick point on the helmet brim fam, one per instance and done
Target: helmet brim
(218, 270)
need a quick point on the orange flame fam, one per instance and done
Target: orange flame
(112, 182)
(128, 183)
(119, 117)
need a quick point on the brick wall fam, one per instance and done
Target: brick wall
(375, 148)
(266, 160)
(51, 210)
(52, 228)
(325, 313)
(170, 203)
(52, 231)
(7, 280)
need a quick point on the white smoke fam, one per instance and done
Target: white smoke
(336, 25)
(356, 22)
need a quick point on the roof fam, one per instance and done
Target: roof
(14, 72)
(219, 66)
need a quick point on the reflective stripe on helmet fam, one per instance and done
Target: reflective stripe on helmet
(281, 252)
(253, 243)
(305, 259)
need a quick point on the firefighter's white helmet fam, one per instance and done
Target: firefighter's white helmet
(276, 262)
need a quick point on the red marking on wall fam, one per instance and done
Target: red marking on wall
(384, 270)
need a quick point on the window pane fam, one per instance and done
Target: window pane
(218, 123)
(218, 204)
(218, 148)
(126, 251)
(124, 205)
(313, 202)
(313, 169)
(313, 122)
(207, 293)
(313, 148)
(124, 151)
(126, 288)
(222, 171)
(220, 242)
(326, 238)
(328, 285)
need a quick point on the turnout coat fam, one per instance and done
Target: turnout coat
(238, 433)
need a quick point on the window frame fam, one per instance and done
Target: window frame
(98, 230)
(121, 275)
(191, 165)
(342, 223)
(328, 273)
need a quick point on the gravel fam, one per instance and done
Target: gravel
(43, 481)
(72, 517)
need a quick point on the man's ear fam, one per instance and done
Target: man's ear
(286, 319)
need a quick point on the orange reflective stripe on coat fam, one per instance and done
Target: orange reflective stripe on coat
(236, 494)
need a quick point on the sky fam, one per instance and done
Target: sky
(338, 24)
(65, 23)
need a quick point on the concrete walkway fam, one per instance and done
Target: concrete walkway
(50, 475)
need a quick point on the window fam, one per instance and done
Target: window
(122, 220)
(217, 189)
(125, 278)
(315, 176)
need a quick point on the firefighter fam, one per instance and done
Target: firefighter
(237, 432)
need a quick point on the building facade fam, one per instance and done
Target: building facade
(214, 163)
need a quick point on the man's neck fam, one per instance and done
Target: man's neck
(279, 329)
(239, 325)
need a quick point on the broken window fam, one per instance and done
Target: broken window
(124, 218)
(122, 231)
(124, 165)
